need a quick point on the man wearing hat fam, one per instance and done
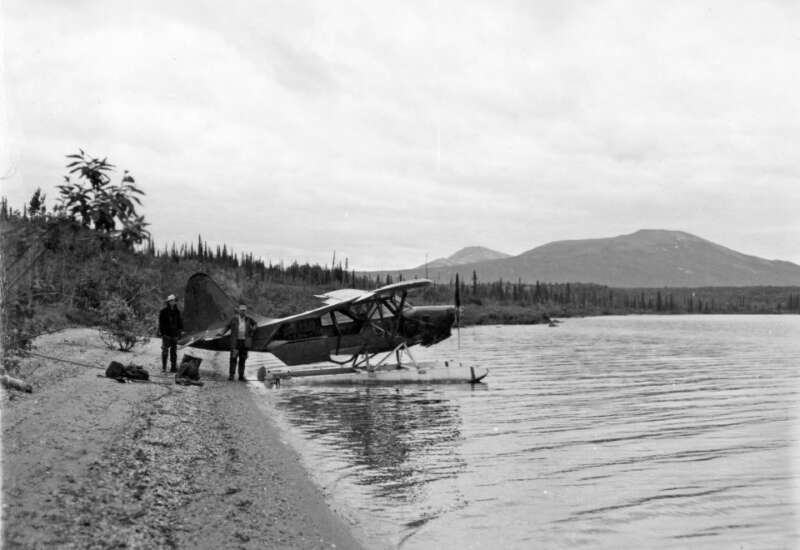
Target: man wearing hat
(242, 328)
(170, 326)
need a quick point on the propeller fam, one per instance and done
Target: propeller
(457, 300)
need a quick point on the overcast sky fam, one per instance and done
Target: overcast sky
(391, 131)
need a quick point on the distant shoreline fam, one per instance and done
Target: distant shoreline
(501, 315)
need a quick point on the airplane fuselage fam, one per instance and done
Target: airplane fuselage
(344, 334)
(352, 323)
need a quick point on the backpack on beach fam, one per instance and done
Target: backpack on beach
(120, 372)
(189, 371)
(189, 368)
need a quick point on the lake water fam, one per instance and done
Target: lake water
(612, 432)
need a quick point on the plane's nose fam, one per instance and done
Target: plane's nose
(434, 323)
(450, 316)
(444, 323)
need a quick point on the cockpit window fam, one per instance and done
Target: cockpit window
(304, 328)
(341, 318)
(396, 301)
(381, 310)
(344, 324)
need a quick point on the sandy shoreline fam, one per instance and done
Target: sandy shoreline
(92, 463)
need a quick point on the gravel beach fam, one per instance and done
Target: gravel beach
(92, 463)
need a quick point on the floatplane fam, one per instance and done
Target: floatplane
(348, 332)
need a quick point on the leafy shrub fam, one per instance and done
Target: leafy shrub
(21, 327)
(120, 326)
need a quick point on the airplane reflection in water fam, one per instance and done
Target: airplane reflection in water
(387, 434)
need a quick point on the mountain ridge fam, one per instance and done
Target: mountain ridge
(646, 258)
(466, 255)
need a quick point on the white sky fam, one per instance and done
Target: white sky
(388, 131)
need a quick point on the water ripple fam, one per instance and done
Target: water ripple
(634, 432)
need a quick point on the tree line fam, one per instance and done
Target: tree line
(65, 265)
(575, 299)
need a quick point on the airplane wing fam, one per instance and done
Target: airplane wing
(310, 314)
(342, 295)
(266, 332)
(337, 300)
(352, 295)
(394, 288)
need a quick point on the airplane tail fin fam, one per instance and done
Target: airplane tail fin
(205, 304)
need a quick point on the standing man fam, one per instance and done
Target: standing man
(242, 328)
(170, 326)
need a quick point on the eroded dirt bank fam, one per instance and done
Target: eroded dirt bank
(92, 463)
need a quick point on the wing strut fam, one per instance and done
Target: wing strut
(400, 317)
(338, 331)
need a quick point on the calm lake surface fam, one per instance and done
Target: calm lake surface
(612, 432)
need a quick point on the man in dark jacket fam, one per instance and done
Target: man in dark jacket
(170, 326)
(242, 328)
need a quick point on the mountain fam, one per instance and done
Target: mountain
(468, 255)
(646, 258)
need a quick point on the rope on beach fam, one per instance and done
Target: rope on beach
(64, 360)
(87, 365)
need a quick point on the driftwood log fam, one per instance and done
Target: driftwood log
(15, 383)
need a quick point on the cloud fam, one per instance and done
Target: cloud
(387, 131)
